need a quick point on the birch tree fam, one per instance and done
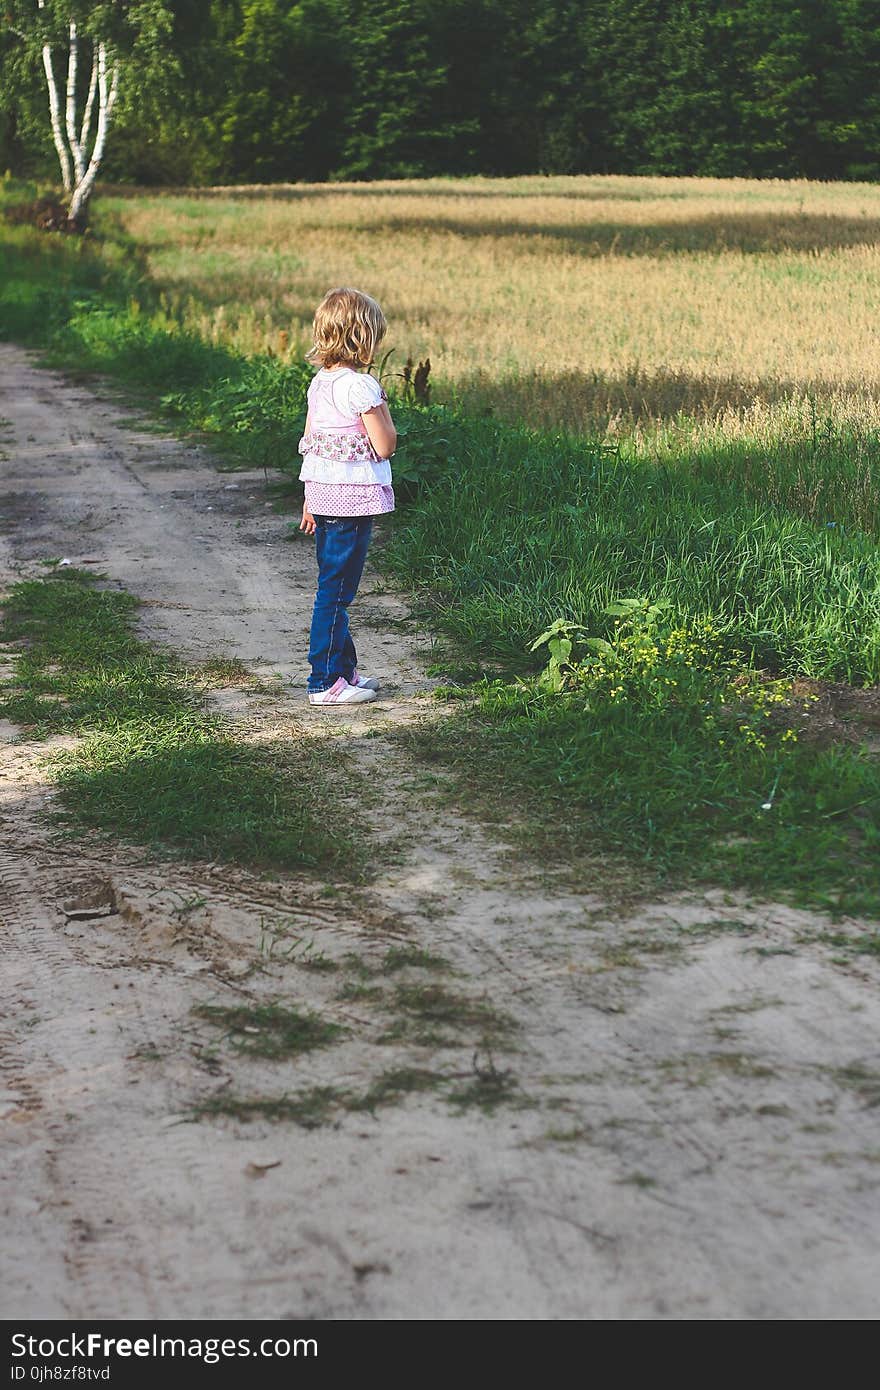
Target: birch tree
(90, 53)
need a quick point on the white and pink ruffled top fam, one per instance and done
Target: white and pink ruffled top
(342, 472)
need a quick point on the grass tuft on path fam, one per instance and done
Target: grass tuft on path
(271, 1029)
(153, 765)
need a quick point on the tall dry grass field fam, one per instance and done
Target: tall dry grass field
(588, 303)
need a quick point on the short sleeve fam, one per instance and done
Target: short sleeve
(364, 393)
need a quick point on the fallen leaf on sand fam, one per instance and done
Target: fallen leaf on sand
(259, 1170)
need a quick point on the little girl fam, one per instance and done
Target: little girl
(349, 439)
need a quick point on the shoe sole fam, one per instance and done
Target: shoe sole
(341, 704)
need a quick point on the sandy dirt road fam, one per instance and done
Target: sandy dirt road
(695, 1121)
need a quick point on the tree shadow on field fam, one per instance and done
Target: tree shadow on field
(583, 397)
(744, 232)
(820, 460)
(639, 190)
(716, 233)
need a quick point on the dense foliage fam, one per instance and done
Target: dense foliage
(269, 90)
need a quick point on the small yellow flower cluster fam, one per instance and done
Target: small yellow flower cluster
(752, 738)
(640, 663)
(697, 646)
(685, 667)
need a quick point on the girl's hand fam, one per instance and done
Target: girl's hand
(308, 522)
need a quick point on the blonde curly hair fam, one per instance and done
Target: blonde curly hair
(348, 328)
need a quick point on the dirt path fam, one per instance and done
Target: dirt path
(692, 1126)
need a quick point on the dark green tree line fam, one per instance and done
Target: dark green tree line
(266, 90)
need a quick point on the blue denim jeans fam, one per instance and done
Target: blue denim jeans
(341, 543)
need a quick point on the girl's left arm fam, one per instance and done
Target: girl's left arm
(380, 428)
(308, 521)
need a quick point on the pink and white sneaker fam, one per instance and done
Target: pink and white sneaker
(342, 693)
(364, 682)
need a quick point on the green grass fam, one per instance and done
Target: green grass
(653, 732)
(435, 1005)
(545, 528)
(485, 1089)
(78, 664)
(410, 957)
(864, 1081)
(271, 1029)
(309, 1109)
(152, 765)
(392, 1086)
(863, 944)
(656, 789)
(354, 992)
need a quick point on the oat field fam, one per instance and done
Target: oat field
(656, 308)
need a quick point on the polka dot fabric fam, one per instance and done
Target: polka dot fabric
(349, 499)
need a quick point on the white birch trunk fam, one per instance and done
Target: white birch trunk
(78, 170)
(86, 130)
(55, 118)
(106, 101)
(70, 106)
